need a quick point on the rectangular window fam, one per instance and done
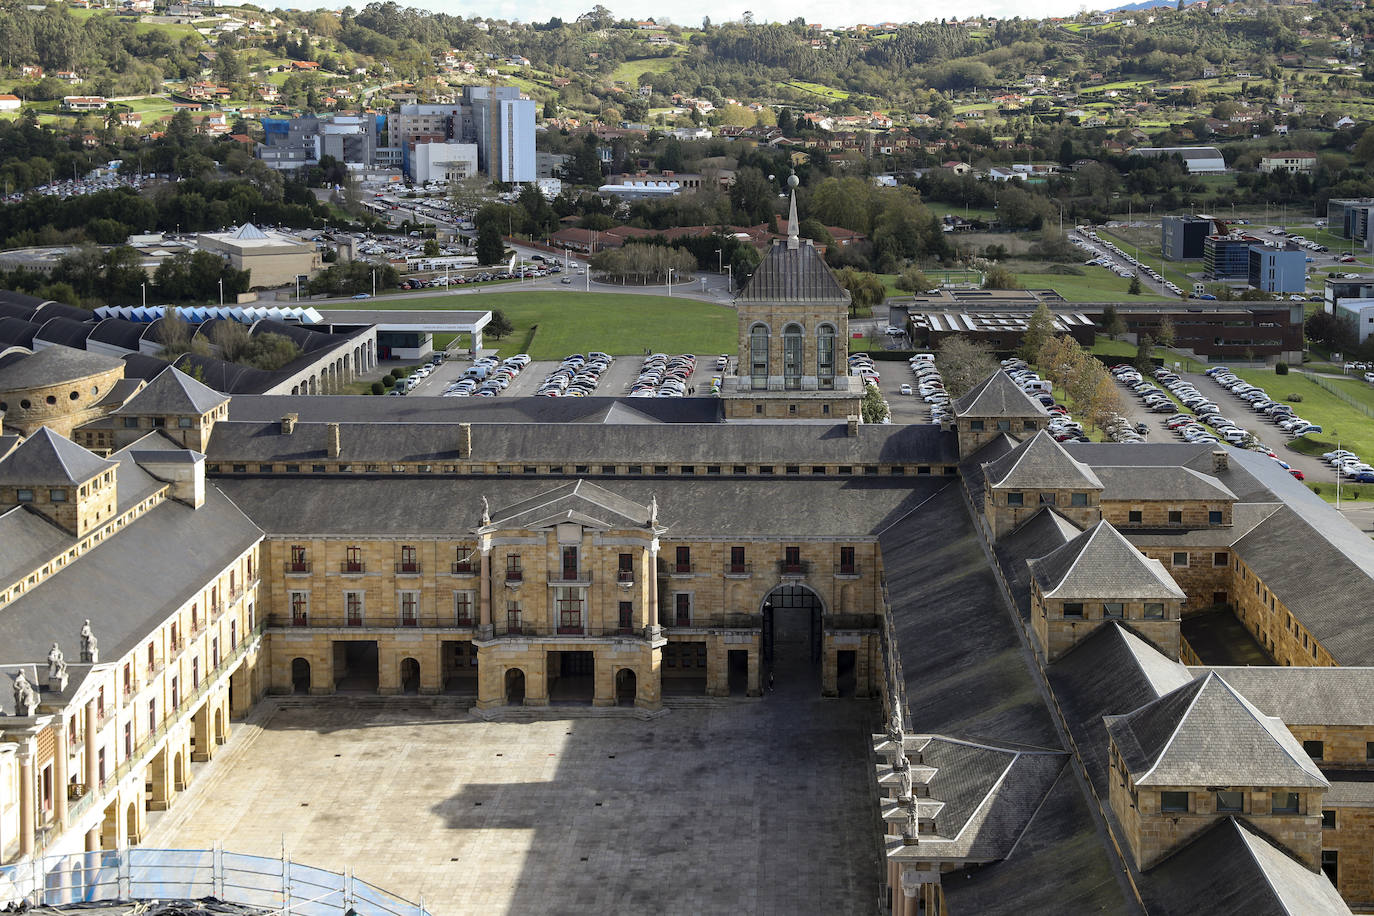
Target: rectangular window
(627, 616)
(1154, 610)
(1369, 750)
(513, 621)
(353, 559)
(1219, 559)
(569, 604)
(975, 425)
(1016, 499)
(1073, 610)
(1314, 749)
(513, 571)
(1113, 610)
(682, 559)
(1004, 426)
(1214, 517)
(1284, 802)
(1175, 517)
(1078, 499)
(298, 560)
(1173, 802)
(1047, 499)
(569, 557)
(1134, 517)
(462, 559)
(410, 609)
(682, 609)
(1180, 558)
(791, 561)
(737, 562)
(625, 568)
(57, 496)
(23, 495)
(462, 609)
(1328, 819)
(300, 609)
(353, 608)
(847, 565)
(1329, 864)
(1230, 802)
(409, 563)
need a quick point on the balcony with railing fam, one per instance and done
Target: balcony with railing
(463, 568)
(739, 570)
(352, 568)
(514, 576)
(794, 570)
(848, 571)
(298, 567)
(625, 578)
(571, 578)
(369, 622)
(525, 630)
(674, 568)
(408, 568)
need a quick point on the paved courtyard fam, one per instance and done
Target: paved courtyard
(748, 807)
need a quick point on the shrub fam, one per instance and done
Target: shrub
(1317, 488)
(378, 388)
(388, 380)
(402, 371)
(1294, 397)
(1280, 368)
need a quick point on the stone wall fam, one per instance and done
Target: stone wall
(1201, 580)
(1055, 634)
(1155, 513)
(1004, 517)
(1350, 840)
(1273, 625)
(62, 406)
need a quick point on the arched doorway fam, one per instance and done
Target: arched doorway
(515, 687)
(792, 627)
(131, 824)
(410, 676)
(219, 726)
(300, 675)
(626, 687)
(178, 773)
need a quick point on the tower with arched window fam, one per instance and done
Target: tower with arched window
(793, 328)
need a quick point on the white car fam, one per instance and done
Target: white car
(905, 389)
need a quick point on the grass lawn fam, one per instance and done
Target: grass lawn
(1334, 416)
(629, 71)
(1355, 387)
(572, 322)
(818, 89)
(1096, 285)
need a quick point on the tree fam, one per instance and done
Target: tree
(431, 248)
(468, 194)
(490, 248)
(1104, 400)
(1166, 332)
(873, 408)
(964, 363)
(500, 325)
(913, 280)
(1039, 330)
(998, 277)
(865, 289)
(1143, 351)
(1112, 323)
(1134, 289)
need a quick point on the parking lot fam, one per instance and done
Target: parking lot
(615, 382)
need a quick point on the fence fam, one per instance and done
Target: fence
(1344, 396)
(187, 874)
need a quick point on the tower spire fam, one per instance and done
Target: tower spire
(793, 239)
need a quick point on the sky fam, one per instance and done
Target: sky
(825, 12)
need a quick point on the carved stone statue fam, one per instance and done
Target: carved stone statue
(653, 511)
(89, 652)
(904, 777)
(486, 512)
(911, 829)
(25, 698)
(57, 664)
(894, 727)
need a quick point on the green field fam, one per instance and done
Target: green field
(1337, 419)
(1096, 285)
(571, 322)
(630, 71)
(818, 89)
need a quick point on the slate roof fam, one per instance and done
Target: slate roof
(1241, 873)
(1305, 695)
(47, 459)
(797, 274)
(1040, 463)
(29, 540)
(688, 507)
(1206, 734)
(563, 411)
(52, 366)
(997, 396)
(579, 501)
(172, 392)
(1161, 483)
(590, 444)
(1042, 533)
(16, 332)
(1101, 563)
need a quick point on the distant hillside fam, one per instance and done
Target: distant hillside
(1143, 5)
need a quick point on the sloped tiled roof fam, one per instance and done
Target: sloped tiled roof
(1101, 563)
(172, 392)
(53, 366)
(47, 459)
(1041, 463)
(797, 274)
(998, 396)
(1161, 483)
(1305, 695)
(1206, 734)
(580, 502)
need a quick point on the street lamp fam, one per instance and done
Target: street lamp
(374, 283)
(144, 285)
(670, 282)
(719, 260)
(221, 292)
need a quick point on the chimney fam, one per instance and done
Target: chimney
(853, 421)
(333, 439)
(464, 440)
(1220, 461)
(288, 424)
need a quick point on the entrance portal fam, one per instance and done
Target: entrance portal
(571, 677)
(738, 663)
(300, 675)
(792, 634)
(355, 666)
(626, 687)
(846, 675)
(410, 675)
(515, 687)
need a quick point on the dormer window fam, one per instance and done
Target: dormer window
(1078, 499)
(975, 425)
(1016, 499)
(24, 496)
(1173, 802)
(57, 496)
(185, 422)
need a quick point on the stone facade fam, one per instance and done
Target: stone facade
(1057, 632)
(1203, 573)
(1348, 838)
(1006, 509)
(975, 432)
(1166, 513)
(1273, 625)
(61, 406)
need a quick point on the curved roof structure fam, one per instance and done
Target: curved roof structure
(64, 331)
(16, 332)
(118, 333)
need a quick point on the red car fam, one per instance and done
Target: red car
(1296, 473)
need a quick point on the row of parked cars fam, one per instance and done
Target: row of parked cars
(1349, 466)
(1112, 265)
(664, 376)
(576, 376)
(1062, 426)
(861, 364)
(487, 377)
(929, 386)
(1262, 404)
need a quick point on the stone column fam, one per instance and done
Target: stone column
(485, 629)
(93, 839)
(59, 774)
(651, 578)
(755, 690)
(92, 767)
(26, 805)
(717, 673)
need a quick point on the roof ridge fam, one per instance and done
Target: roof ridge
(986, 800)
(1262, 720)
(1154, 764)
